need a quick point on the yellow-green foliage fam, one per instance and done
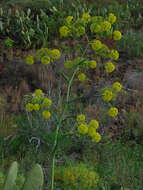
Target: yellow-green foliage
(77, 177)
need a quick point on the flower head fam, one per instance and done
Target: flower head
(91, 131)
(109, 67)
(107, 94)
(113, 112)
(96, 137)
(55, 54)
(106, 26)
(95, 28)
(64, 31)
(92, 64)
(81, 118)
(117, 35)
(45, 60)
(38, 93)
(46, 103)
(83, 129)
(69, 19)
(94, 123)
(114, 54)
(96, 45)
(46, 114)
(36, 107)
(112, 18)
(82, 77)
(29, 107)
(86, 17)
(117, 86)
(30, 60)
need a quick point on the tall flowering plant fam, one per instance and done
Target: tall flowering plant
(94, 52)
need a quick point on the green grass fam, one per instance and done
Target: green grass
(119, 165)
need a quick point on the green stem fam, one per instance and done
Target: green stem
(61, 119)
(58, 127)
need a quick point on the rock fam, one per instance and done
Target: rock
(134, 80)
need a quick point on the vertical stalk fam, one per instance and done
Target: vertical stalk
(58, 127)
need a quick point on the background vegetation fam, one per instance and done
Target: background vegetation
(117, 160)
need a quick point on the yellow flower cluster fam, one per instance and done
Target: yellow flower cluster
(69, 19)
(114, 54)
(113, 112)
(88, 129)
(107, 94)
(76, 28)
(109, 67)
(64, 31)
(112, 18)
(30, 60)
(117, 35)
(82, 77)
(38, 102)
(96, 45)
(86, 17)
(44, 55)
(103, 50)
(92, 64)
(117, 86)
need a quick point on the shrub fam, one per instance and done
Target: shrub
(76, 176)
(95, 37)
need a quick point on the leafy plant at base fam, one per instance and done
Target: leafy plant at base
(34, 180)
(76, 176)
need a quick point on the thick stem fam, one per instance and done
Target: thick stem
(58, 127)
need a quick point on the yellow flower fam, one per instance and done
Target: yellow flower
(91, 131)
(68, 64)
(46, 114)
(86, 17)
(45, 60)
(109, 67)
(117, 86)
(94, 123)
(46, 103)
(92, 64)
(41, 53)
(96, 45)
(95, 28)
(106, 26)
(30, 60)
(80, 118)
(117, 35)
(69, 19)
(55, 54)
(36, 107)
(64, 31)
(112, 18)
(96, 137)
(83, 129)
(29, 107)
(114, 54)
(113, 112)
(107, 94)
(82, 77)
(38, 93)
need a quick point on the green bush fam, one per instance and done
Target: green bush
(76, 177)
